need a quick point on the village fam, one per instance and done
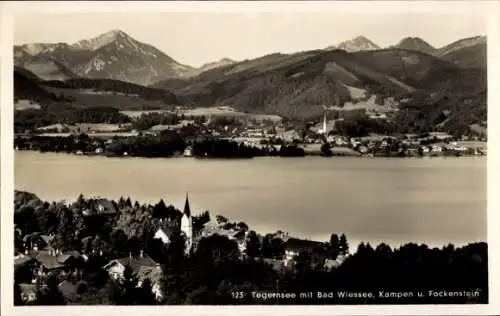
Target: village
(38, 257)
(316, 138)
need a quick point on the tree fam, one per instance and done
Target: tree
(334, 246)
(119, 241)
(272, 247)
(217, 250)
(344, 246)
(199, 221)
(17, 295)
(326, 151)
(220, 219)
(242, 226)
(145, 295)
(159, 210)
(65, 230)
(124, 291)
(253, 245)
(49, 294)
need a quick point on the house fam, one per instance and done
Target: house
(436, 149)
(362, 149)
(440, 135)
(24, 268)
(164, 233)
(103, 207)
(28, 292)
(36, 241)
(294, 246)
(56, 261)
(142, 266)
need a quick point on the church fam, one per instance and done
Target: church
(186, 227)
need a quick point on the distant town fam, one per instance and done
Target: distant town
(263, 136)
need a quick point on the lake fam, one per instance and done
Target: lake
(433, 200)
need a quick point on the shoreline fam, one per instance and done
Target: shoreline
(178, 156)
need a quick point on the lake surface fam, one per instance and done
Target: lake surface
(435, 200)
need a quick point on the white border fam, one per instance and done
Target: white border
(491, 12)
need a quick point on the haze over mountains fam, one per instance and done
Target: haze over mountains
(356, 73)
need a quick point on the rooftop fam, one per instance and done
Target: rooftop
(298, 245)
(135, 262)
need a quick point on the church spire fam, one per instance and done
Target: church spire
(324, 125)
(187, 209)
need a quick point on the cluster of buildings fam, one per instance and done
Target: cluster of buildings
(41, 258)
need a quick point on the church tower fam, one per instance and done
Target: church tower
(187, 225)
(324, 125)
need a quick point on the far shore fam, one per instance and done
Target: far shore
(308, 154)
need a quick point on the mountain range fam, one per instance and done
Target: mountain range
(353, 74)
(112, 55)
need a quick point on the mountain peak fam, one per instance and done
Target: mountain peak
(217, 64)
(360, 38)
(359, 43)
(115, 34)
(103, 39)
(412, 39)
(417, 44)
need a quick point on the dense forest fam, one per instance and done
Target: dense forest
(117, 86)
(216, 273)
(31, 119)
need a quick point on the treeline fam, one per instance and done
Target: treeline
(26, 87)
(166, 144)
(31, 119)
(117, 86)
(216, 269)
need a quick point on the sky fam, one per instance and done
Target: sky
(196, 38)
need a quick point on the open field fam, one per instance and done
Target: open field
(99, 135)
(89, 98)
(389, 105)
(98, 127)
(211, 111)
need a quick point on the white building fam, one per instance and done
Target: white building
(187, 225)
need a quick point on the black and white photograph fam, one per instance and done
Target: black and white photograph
(263, 157)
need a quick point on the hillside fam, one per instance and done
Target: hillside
(216, 64)
(416, 44)
(300, 85)
(41, 65)
(27, 87)
(88, 93)
(460, 44)
(112, 55)
(469, 56)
